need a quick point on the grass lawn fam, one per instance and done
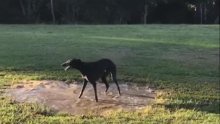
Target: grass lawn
(180, 61)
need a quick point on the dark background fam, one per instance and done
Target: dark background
(109, 11)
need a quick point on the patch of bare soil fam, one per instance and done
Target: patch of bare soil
(64, 98)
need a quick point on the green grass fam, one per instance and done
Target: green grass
(180, 61)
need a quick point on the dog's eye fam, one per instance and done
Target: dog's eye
(68, 61)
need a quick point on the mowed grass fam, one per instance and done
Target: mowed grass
(180, 61)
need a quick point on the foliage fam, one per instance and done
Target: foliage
(110, 11)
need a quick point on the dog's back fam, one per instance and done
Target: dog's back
(107, 64)
(99, 68)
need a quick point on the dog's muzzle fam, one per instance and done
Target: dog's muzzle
(66, 66)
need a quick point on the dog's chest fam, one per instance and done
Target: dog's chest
(85, 77)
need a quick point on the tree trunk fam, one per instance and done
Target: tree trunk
(205, 13)
(216, 20)
(201, 14)
(52, 11)
(29, 11)
(145, 13)
(22, 7)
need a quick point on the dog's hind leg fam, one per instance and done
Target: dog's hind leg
(115, 80)
(95, 90)
(83, 88)
(106, 83)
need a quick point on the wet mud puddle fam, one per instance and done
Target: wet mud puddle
(62, 97)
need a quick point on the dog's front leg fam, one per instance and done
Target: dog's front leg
(83, 88)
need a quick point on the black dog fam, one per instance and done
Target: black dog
(92, 71)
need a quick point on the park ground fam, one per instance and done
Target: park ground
(181, 62)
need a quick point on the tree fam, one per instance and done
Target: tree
(206, 11)
(109, 11)
(52, 11)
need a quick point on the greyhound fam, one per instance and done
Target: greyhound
(92, 71)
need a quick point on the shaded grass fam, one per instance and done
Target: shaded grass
(180, 61)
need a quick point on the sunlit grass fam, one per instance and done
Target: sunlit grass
(33, 113)
(172, 42)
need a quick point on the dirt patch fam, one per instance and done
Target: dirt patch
(64, 98)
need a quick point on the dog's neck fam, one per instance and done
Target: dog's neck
(81, 68)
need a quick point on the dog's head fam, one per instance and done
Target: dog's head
(71, 63)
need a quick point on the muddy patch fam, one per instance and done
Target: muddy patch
(64, 98)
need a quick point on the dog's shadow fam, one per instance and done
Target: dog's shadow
(138, 95)
(121, 102)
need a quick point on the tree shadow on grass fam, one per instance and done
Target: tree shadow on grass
(211, 107)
